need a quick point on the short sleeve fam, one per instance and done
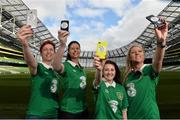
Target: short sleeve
(125, 103)
(148, 70)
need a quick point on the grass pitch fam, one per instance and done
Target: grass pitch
(15, 93)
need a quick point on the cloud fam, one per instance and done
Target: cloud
(124, 31)
(118, 6)
(88, 12)
(88, 20)
(88, 34)
(132, 24)
(46, 8)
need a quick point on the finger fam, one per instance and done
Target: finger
(96, 63)
(65, 35)
(25, 31)
(25, 27)
(97, 58)
(25, 37)
(28, 35)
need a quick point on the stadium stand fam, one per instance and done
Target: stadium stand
(13, 16)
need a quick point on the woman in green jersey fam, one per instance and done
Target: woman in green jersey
(110, 95)
(142, 79)
(73, 104)
(43, 102)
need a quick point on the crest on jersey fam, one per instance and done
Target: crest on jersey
(119, 95)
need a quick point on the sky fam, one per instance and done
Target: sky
(118, 22)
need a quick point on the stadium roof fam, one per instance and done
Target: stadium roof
(14, 13)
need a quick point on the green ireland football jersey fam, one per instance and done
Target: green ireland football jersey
(141, 91)
(110, 101)
(74, 88)
(44, 93)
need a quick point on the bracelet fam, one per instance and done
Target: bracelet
(161, 45)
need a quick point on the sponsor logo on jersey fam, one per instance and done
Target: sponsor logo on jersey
(131, 89)
(53, 87)
(82, 82)
(113, 104)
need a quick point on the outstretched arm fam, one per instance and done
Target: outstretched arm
(160, 49)
(23, 34)
(98, 64)
(57, 65)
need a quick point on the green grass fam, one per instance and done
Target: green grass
(15, 93)
(11, 69)
(169, 94)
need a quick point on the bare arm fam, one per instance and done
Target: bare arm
(99, 66)
(124, 115)
(160, 50)
(23, 35)
(57, 65)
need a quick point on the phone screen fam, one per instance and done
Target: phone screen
(155, 20)
(101, 49)
(32, 18)
(65, 25)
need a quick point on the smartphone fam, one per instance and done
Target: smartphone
(32, 18)
(65, 25)
(156, 21)
(101, 49)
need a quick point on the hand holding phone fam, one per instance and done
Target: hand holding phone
(65, 25)
(32, 18)
(156, 21)
(101, 49)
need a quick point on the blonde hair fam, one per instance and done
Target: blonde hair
(129, 64)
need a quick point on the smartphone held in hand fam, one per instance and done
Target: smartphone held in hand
(101, 49)
(32, 18)
(156, 21)
(65, 25)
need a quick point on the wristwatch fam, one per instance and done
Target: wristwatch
(161, 44)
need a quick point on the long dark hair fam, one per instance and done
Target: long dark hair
(69, 45)
(117, 77)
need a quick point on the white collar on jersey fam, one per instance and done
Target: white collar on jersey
(47, 66)
(72, 63)
(113, 84)
(141, 69)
